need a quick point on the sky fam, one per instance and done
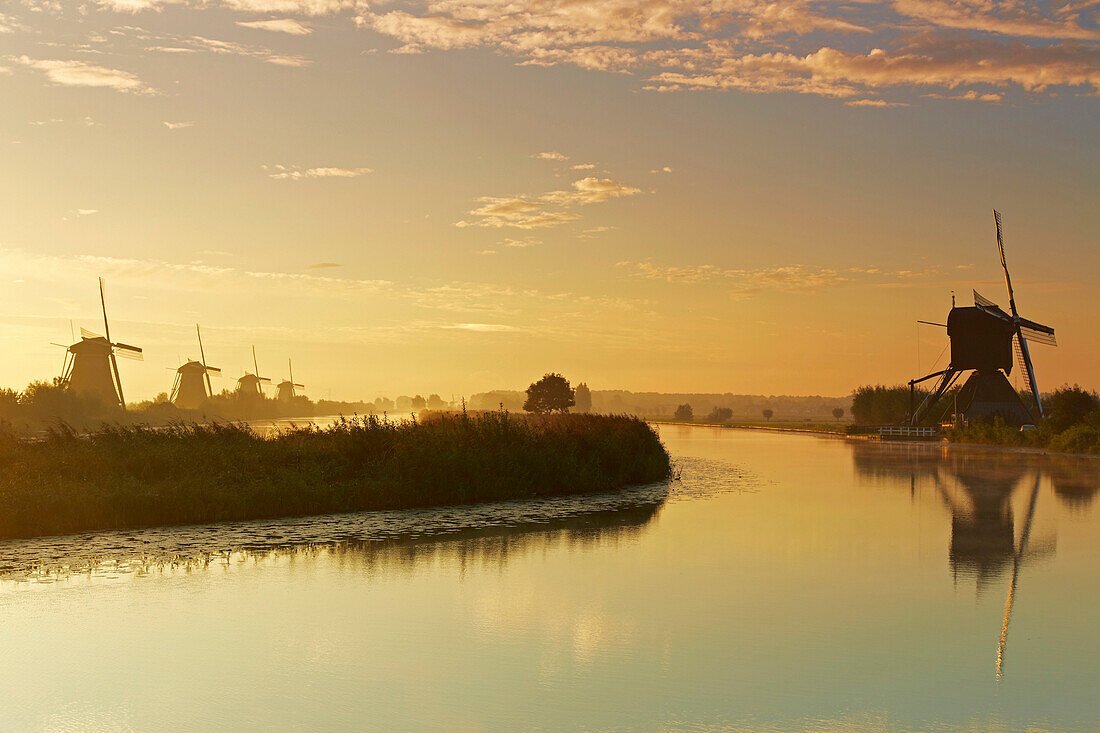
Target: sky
(455, 196)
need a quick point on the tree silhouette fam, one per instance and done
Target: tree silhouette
(767, 413)
(684, 412)
(419, 403)
(583, 397)
(720, 414)
(552, 393)
(838, 412)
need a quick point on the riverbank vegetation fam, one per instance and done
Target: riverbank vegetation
(1071, 423)
(136, 476)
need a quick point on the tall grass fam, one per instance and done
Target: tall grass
(136, 476)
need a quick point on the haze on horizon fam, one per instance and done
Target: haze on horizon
(460, 195)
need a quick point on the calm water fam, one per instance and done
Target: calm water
(787, 582)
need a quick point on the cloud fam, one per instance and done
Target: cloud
(591, 233)
(582, 167)
(178, 125)
(86, 212)
(519, 243)
(665, 169)
(832, 49)
(80, 74)
(788, 278)
(177, 44)
(294, 173)
(874, 103)
(545, 210)
(551, 155)
(481, 327)
(278, 25)
(324, 265)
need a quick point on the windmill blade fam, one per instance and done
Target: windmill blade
(980, 299)
(213, 370)
(1039, 337)
(299, 386)
(86, 334)
(54, 343)
(263, 379)
(130, 355)
(995, 311)
(107, 335)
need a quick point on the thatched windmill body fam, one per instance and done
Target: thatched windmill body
(251, 384)
(985, 341)
(91, 364)
(285, 389)
(192, 385)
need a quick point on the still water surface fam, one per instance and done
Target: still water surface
(786, 582)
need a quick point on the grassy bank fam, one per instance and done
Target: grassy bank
(133, 476)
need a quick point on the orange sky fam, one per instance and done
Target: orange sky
(460, 195)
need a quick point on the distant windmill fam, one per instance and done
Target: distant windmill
(91, 367)
(251, 383)
(192, 385)
(285, 389)
(985, 339)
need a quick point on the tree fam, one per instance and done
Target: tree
(720, 414)
(419, 403)
(552, 393)
(684, 412)
(435, 402)
(767, 413)
(583, 397)
(1069, 406)
(838, 412)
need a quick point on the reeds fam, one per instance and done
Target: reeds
(137, 476)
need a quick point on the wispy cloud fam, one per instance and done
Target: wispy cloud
(178, 125)
(833, 49)
(519, 243)
(545, 210)
(295, 173)
(550, 155)
(278, 25)
(324, 265)
(80, 74)
(480, 327)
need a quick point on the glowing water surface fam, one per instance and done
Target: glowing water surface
(787, 582)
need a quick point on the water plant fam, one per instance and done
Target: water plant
(129, 476)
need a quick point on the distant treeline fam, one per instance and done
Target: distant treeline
(45, 404)
(664, 404)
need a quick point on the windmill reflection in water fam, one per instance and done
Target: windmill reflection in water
(977, 489)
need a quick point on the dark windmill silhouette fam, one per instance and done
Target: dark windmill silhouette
(985, 340)
(252, 384)
(285, 389)
(192, 385)
(91, 366)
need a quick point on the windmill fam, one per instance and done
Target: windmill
(285, 389)
(985, 340)
(91, 366)
(192, 385)
(251, 384)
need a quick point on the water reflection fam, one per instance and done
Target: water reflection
(484, 534)
(978, 488)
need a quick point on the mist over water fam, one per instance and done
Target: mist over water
(786, 582)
